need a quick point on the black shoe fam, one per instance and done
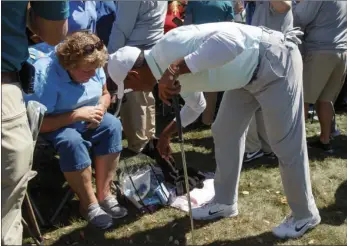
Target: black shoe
(250, 156)
(270, 155)
(327, 148)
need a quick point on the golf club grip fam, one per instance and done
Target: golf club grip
(176, 105)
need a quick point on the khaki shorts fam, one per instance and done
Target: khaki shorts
(138, 119)
(16, 156)
(323, 75)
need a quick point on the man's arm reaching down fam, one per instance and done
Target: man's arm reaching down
(195, 104)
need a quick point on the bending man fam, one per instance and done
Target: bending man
(257, 67)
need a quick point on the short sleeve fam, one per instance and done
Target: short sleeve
(217, 50)
(195, 104)
(44, 84)
(101, 75)
(51, 10)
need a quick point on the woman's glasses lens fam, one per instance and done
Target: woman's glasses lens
(89, 49)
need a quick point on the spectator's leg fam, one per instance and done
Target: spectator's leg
(228, 132)
(107, 145)
(81, 183)
(106, 140)
(16, 156)
(318, 67)
(325, 113)
(74, 162)
(134, 120)
(325, 110)
(150, 115)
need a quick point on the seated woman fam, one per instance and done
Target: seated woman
(71, 84)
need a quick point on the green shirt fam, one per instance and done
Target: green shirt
(14, 41)
(210, 11)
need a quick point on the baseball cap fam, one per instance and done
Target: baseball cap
(119, 64)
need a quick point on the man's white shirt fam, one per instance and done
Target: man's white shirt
(221, 56)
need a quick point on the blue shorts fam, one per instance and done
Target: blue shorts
(74, 145)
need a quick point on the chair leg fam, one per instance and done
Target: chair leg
(25, 224)
(36, 234)
(36, 210)
(66, 198)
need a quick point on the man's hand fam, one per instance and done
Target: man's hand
(163, 147)
(168, 87)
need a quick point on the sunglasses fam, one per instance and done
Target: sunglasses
(89, 48)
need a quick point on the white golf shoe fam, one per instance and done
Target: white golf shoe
(213, 210)
(291, 228)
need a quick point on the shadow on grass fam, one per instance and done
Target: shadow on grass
(339, 144)
(206, 162)
(336, 214)
(177, 229)
(266, 238)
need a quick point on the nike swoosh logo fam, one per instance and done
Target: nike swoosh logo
(251, 155)
(212, 213)
(297, 229)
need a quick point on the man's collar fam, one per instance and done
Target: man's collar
(157, 73)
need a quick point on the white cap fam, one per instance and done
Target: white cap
(119, 64)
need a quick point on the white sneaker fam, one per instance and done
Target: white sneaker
(213, 210)
(291, 228)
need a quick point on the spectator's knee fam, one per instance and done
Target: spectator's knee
(112, 125)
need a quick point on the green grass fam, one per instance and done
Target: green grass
(260, 210)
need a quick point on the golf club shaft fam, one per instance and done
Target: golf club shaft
(175, 101)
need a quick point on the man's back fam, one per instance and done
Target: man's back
(185, 40)
(324, 24)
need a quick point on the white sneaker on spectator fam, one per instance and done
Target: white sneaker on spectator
(291, 228)
(213, 210)
(111, 206)
(250, 156)
(97, 216)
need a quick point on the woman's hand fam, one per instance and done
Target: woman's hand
(91, 114)
(163, 146)
(168, 87)
(93, 125)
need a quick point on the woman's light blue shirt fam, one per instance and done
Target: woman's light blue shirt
(55, 89)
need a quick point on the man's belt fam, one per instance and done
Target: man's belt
(9, 77)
